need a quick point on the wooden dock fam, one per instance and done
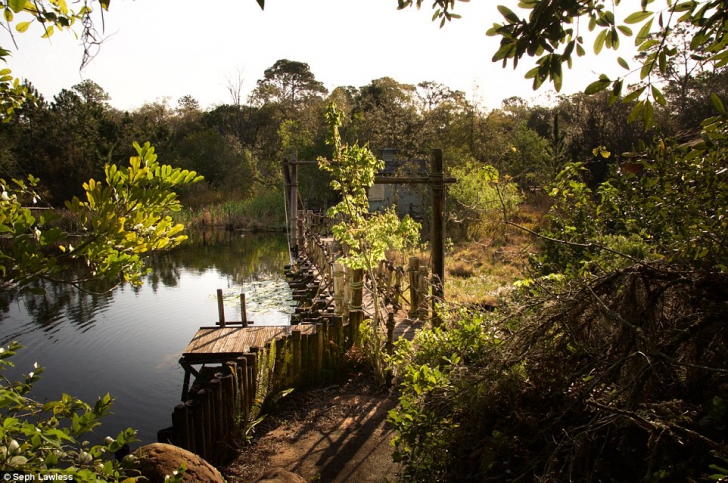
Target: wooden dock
(220, 344)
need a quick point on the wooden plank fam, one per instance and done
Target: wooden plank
(226, 343)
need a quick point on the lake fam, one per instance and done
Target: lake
(128, 342)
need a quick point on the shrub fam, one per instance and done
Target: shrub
(47, 437)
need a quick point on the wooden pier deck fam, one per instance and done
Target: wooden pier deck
(220, 344)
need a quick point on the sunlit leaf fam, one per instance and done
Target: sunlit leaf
(637, 17)
(508, 14)
(16, 5)
(648, 114)
(718, 104)
(623, 63)
(22, 26)
(644, 32)
(599, 41)
(636, 110)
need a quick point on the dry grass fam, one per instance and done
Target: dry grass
(478, 272)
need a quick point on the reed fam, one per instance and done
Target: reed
(263, 212)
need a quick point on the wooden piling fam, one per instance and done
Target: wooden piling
(243, 310)
(193, 409)
(296, 335)
(181, 424)
(437, 243)
(414, 272)
(220, 308)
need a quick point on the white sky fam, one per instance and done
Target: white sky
(165, 48)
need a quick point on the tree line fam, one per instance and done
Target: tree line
(238, 146)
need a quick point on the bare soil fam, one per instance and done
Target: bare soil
(332, 434)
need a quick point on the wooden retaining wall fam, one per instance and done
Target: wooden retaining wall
(242, 364)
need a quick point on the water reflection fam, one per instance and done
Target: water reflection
(243, 258)
(127, 342)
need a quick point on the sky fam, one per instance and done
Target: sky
(156, 49)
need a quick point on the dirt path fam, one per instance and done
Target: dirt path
(328, 435)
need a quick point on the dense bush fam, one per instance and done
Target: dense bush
(610, 364)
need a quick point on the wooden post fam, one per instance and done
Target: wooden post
(338, 338)
(422, 291)
(305, 359)
(297, 356)
(228, 396)
(414, 271)
(390, 345)
(293, 198)
(356, 317)
(217, 413)
(244, 388)
(243, 310)
(180, 422)
(319, 350)
(220, 308)
(437, 243)
(252, 377)
(357, 290)
(338, 288)
(197, 442)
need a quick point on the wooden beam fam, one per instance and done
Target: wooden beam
(410, 180)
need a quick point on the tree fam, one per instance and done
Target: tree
(385, 114)
(365, 236)
(288, 83)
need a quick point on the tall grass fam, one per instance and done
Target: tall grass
(265, 211)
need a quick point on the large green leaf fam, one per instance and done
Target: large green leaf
(16, 5)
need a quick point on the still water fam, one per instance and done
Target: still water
(128, 342)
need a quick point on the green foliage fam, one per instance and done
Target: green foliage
(364, 235)
(431, 393)
(48, 437)
(125, 217)
(548, 35)
(674, 209)
(481, 197)
(52, 16)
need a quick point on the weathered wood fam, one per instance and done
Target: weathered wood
(356, 317)
(228, 396)
(408, 180)
(293, 199)
(205, 397)
(220, 308)
(243, 311)
(180, 422)
(297, 355)
(194, 424)
(357, 289)
(320, 334)
(220, 344)
(217, 412)
(244, 388)
(422, 293)
(414, 272)
(437, 242)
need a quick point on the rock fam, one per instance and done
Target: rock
(158, 459)
(280, 475)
